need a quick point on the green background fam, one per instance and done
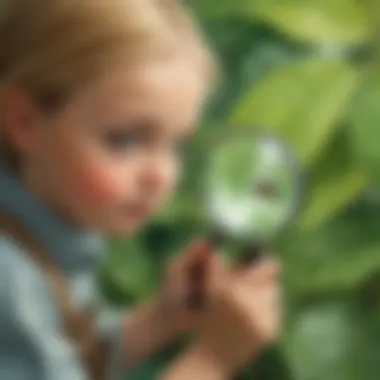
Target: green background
(309, 71)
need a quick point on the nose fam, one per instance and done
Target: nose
(158, 175)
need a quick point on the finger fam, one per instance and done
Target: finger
(196, 278)
(206, 279)
(197, 266)
(269, 293)
(218, 273)
(199, 261)
(176, 270)
(264, 299)
(268, 316)
(267, 270)
(198, 250)
(195, 250)
(186, 273)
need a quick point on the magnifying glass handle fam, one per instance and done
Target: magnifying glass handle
(252, 254)
(218, 239)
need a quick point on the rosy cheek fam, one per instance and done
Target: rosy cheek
(97, 185)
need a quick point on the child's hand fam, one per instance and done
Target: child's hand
(185, 286)
(153, 326)
(242, 316)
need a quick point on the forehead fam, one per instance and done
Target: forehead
(170, 93)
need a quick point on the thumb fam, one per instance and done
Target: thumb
(217, 273)
(267, 270)
(196, 251)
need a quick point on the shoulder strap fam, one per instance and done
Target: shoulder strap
(79, 326)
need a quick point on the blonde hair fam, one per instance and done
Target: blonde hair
(52, 48)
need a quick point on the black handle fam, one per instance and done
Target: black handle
(252, 253)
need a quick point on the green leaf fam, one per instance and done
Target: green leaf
(336, 257)
(302, 102)
(363, 120)
(367, 363)
(181, 208)
(334, 181)
(127, 272)
(216, 8)
(270, 365)
(321, 342)
(334, 339)
(246, 52)
(325, 279)
(315, 21)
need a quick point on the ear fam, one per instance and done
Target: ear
(20, 119)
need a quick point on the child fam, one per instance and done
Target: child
(97, 97)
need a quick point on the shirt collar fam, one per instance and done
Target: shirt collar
(72, 248)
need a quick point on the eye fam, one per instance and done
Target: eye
(120, 140)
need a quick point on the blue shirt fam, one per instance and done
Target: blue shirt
(32, 341)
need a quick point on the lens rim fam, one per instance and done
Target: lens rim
(300, 175)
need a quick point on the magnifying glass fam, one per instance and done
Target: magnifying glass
(254, 187)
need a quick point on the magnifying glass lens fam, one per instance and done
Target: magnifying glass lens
(253, 186)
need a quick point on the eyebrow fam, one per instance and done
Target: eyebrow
(148, 126)
(151, 127)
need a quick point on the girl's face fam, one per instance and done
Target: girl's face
(111, 157)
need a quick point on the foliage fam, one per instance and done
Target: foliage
(308, 70)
